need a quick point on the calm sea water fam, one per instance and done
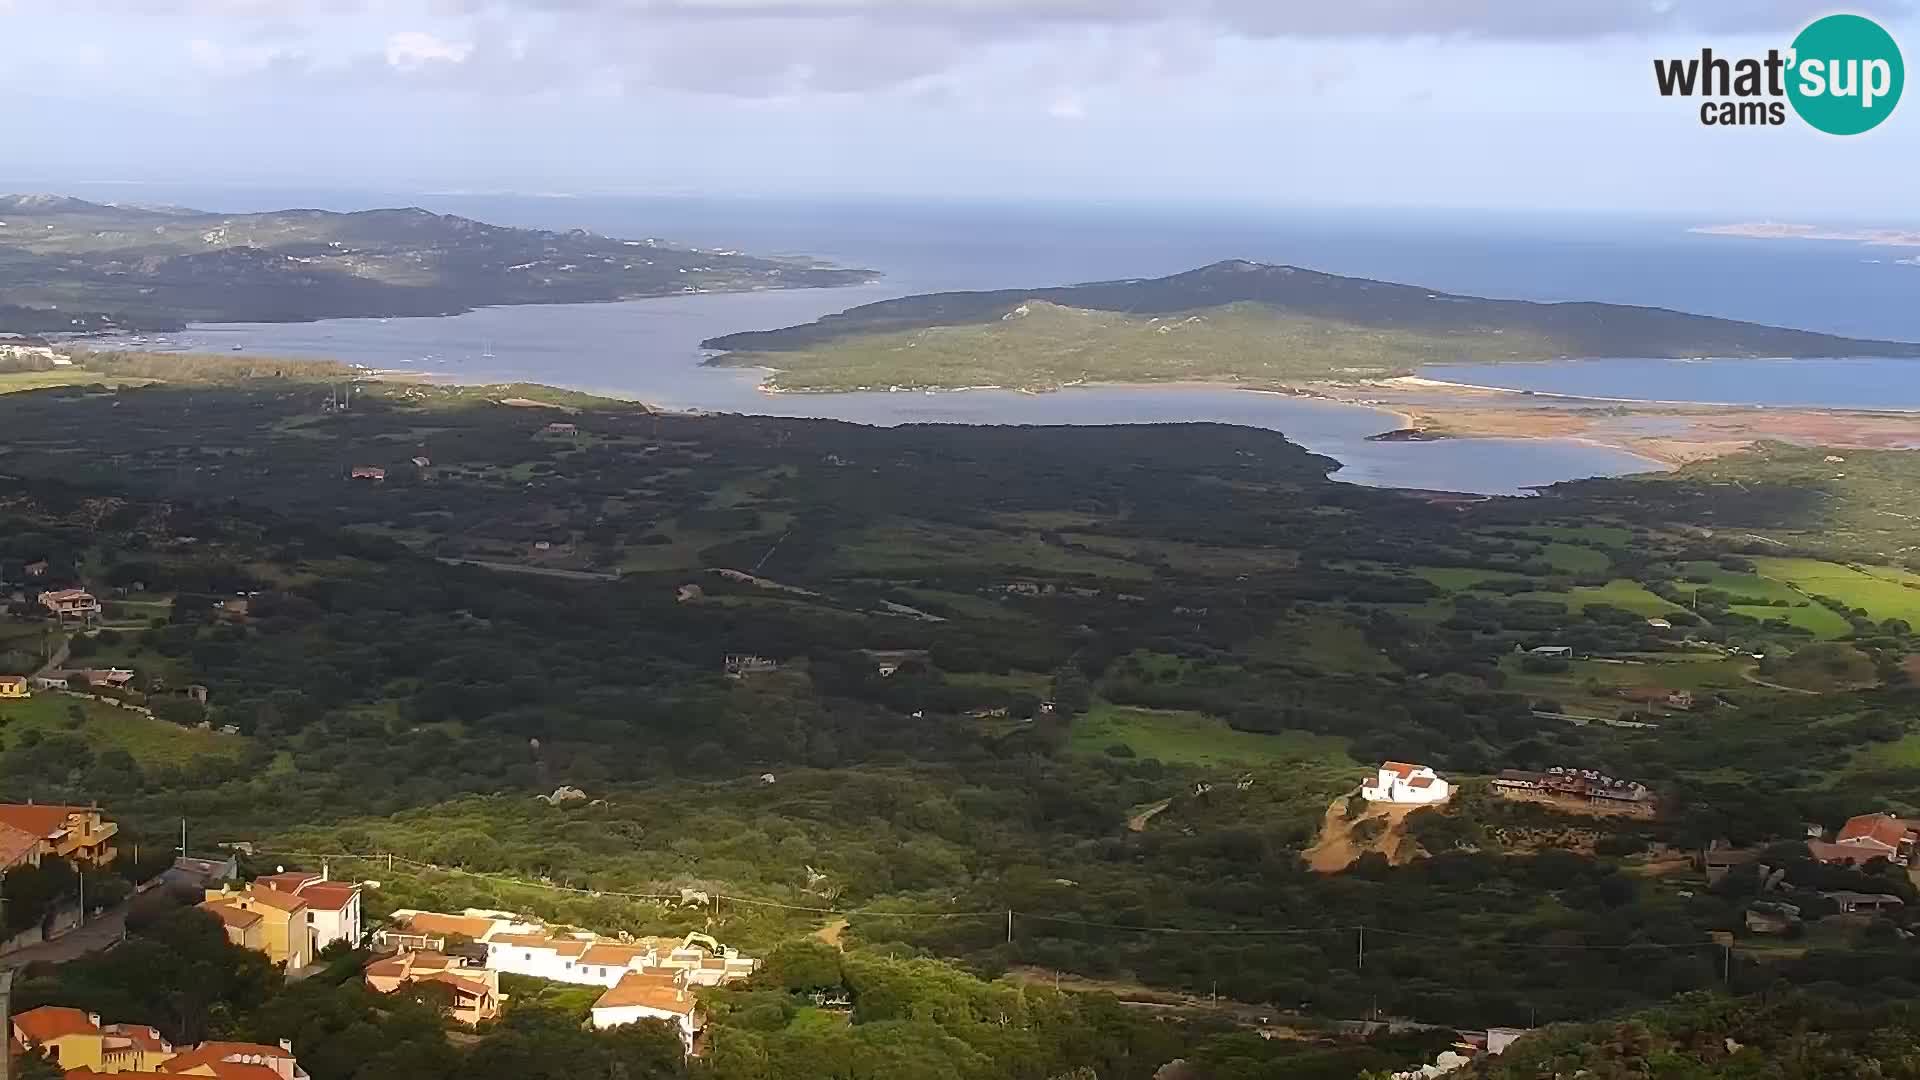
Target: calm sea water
(1839, 383)
(650, 349)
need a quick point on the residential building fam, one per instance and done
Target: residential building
(1855, 903)
(76, 833)
(1399, 782)
(14, 686)
(558, 428)
(1870, 836)
(646, 996)
(281, 931)
(1574, 783)
(1659, 624)
(741, 666)
(18, 848)
(73, 1037)
(237, 1061)
(333, 907)
(475, 989)
(1559, 652)
(368, 472)
(66, 604)
(516, 947)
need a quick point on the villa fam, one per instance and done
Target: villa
(1399, 782)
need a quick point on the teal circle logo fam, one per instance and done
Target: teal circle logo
(1846, 74)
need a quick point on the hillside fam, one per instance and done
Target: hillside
(1231, 321)
(69, 266)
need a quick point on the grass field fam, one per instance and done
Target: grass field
(13, 381)
(1622, 593)
(1328, 643)
(1195, 558)
(1610, 535)
(1819, 620)
(1575, 559)
(1189, 738)
(1884, 592)
(150, 741)
(909, 546)
(1459, 578)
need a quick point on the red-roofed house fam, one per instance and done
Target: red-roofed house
(66, 604)
(650, 996)
(475, 990)
(1871, 836)
(1399, 782)
(76, 833)
(280, 928)
(237, 1061)
(333, 907)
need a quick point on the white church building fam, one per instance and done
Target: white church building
(1399, 782)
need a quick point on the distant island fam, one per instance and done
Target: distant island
(68, 266)
(1777, 230)
(1238, 322)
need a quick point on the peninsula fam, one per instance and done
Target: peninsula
(68, 266)
(1237, 322)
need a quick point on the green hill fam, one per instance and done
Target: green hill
(1231, 321)
(67, 265)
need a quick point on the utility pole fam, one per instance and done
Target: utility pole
(1009, 926)
(6, 1017)
(1363, 946)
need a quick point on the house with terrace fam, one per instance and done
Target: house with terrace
(473, 991)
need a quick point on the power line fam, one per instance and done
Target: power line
(1010, 914)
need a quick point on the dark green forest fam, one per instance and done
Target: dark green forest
(1044, 705)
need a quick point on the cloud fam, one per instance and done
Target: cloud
(411, 50)
(795, 48)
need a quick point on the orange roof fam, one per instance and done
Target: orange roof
(49, 1022)
(532, 941)
(1420, 782)
(469, 986)
(210, 1053)
(393, 967)
(225, 1070)
(569, 948)
(1882, 830)
(612, 955)
(274, 898)
(40, 819)
(288, 882)
(636, 989)
(329, 895)
(231, 915)
(16, 845)
(1399, 768)
(146, 1038)
(432, 922)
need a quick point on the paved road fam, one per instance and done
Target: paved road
(106, 929)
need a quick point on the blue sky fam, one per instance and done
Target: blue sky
(1526, 104)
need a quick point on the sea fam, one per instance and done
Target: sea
(650, 349)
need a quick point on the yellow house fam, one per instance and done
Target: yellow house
(73, 1037)
(278, 926)
(79, 834)
(14, 686)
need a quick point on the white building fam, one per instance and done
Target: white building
(333, 907)
(583, 959)
(1399, 782)
(650, 997)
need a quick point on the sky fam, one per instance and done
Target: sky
(1521, 104)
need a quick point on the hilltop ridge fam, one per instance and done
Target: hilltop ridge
(72, 266)
(1240, 321)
